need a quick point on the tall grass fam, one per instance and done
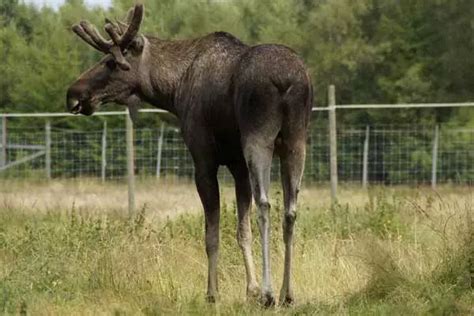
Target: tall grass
(397, 251)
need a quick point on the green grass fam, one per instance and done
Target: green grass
(396, 252)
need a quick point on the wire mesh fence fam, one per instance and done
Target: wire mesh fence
(395, 154)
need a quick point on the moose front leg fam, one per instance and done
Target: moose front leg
(208, 189)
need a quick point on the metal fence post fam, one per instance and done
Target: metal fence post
(104, 151)
(160, 150)
(130, 165)
(48, 149)
(333, 141)
(434, 161)
(3, 152)
(365, 159)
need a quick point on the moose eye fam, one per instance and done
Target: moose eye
(111, 64)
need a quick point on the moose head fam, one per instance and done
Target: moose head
(115, 78)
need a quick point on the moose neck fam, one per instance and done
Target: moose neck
(164, 63)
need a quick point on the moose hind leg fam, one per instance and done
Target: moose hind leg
(208, 189)
(259, 159)
(292, 164)
(244, 233)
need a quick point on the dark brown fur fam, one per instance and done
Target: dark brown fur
(237, 105)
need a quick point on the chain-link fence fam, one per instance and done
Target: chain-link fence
(393, 154)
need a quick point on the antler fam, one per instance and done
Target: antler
(121, 35)
(133, 27)
(134, 20)
(82, 34)
(91, 35)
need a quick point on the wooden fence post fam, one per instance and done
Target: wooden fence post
(333, 141)
(104, 152)
(160, 150)
(434, 159)
(365, 159)
(47, 148)
(3, 152)
(130, 165)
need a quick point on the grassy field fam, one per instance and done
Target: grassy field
(70, 248)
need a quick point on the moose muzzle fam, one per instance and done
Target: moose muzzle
(77, 104)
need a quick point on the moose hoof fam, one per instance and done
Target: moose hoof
(211, 299)
(268, 300)
(253, 293)
(287, 300)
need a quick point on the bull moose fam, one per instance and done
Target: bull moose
(237, 105)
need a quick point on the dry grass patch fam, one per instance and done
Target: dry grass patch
(386, 251)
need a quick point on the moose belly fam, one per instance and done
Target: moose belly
(229, 151)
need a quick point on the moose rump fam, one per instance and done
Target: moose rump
(273, 107)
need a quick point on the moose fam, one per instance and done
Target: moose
(238, 106)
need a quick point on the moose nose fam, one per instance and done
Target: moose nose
(74, 94)
(73, 105)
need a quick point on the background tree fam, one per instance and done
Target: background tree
(374, 51)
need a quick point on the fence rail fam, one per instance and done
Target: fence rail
(364, 154)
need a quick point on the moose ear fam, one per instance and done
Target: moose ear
(137, 44)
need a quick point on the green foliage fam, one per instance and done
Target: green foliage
(379, 216)
(372, 50)
(383, 215)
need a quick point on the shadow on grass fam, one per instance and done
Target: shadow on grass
(448, 290)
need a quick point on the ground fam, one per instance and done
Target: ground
(69, 247)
